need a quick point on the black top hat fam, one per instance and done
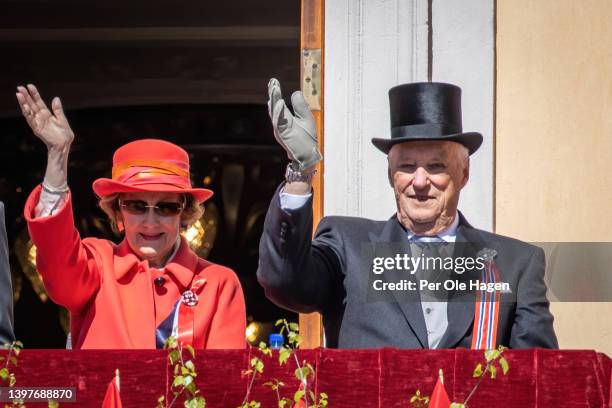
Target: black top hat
(427, 111)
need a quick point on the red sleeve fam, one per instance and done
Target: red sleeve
(66, 264)
(227, 330)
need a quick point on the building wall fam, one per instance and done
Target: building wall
(554, 138)
(372, 45)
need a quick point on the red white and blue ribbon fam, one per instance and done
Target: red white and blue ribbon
(486, 309)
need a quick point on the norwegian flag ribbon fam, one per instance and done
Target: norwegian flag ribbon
(486, 308)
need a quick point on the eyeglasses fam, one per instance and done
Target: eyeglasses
(163, 208)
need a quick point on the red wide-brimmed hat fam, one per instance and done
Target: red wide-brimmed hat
(148, 165)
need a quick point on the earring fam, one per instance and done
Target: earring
(120, 226)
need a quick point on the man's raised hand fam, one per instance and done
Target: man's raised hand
(296, 133)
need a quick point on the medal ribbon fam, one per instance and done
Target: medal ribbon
(186, 317)
(486, 311)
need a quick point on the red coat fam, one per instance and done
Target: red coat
(110, 293)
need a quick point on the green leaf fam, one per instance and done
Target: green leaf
(4, 373)
(282, 403)
(477, 371)
(265, 350)
(195, 402)
(187, 380)
(179, 380)
(491, 355)
(493, 371)
(201, 402)
(191, 387)
(190, 350)
(257, 364)
(456, 405)
(284, 355)
(294, 327)
(504, 365)
(279, 322)
(190, 366)
(14, 360)
(174, 356)
(298, 396)
(170, 343)
(53, 404)
(12, 379)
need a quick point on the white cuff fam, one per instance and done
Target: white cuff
(48, 203)
(293, 201)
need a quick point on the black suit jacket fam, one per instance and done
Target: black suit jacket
(329, 274)
(6, 290)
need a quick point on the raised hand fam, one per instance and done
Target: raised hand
(297, 134)
(49, 126)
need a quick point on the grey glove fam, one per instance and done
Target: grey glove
(297, 134)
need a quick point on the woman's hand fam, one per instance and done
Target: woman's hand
(50, 127)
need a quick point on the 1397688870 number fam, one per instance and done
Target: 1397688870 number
(37, 394)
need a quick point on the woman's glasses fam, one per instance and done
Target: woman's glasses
(163, 208)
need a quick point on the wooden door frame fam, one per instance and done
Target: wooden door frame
(312, 37)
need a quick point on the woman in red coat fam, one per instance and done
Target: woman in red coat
(150, 286)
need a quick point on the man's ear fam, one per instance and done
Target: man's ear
(389, 175)
(466, 172)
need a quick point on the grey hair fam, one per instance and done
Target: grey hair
(462, 153)
(193, 210)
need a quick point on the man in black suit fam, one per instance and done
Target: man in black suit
(339, 273)
(6, 290)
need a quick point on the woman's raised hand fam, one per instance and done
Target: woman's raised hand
(49, 126)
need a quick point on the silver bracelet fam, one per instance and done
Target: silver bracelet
(52, 190)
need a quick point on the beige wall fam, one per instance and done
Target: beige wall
(554, 137)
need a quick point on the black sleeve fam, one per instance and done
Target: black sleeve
(533, 323)
(6, 290)
(297, 272)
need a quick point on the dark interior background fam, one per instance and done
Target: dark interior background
(191, 72)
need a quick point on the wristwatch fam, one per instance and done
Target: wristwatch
(293, 175)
